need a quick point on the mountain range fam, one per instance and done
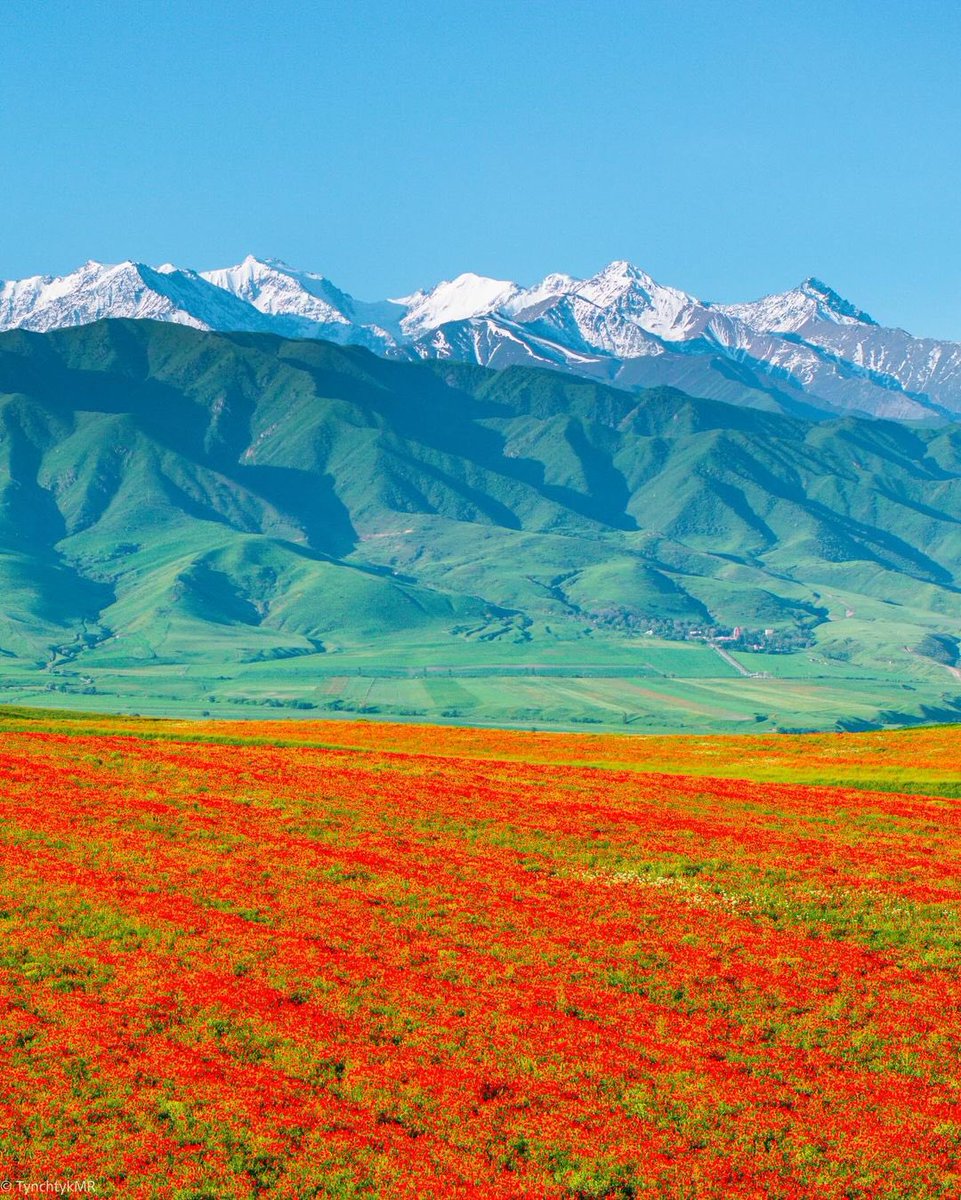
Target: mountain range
(806, 352)
(175, 499)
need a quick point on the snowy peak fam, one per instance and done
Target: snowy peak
(253, 275)
(244, 280)
(616, 278)
(304, 304)
(832, 307)
(529, 303)
(620, 284)
(94, 291)
(457, 299)
(793, 312)
(632, 303)
(273, 287)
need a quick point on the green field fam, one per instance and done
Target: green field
(643, 685)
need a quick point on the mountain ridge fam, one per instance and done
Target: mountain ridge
(197, 503)
(807, 350)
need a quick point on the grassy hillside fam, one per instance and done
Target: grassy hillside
(236, 523)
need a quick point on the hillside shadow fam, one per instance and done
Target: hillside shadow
(309, 499)
(424, 410)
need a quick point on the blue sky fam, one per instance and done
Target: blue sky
(729, 148)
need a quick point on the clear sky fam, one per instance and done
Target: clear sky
(729, 147)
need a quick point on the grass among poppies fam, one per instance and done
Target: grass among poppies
(409, 961)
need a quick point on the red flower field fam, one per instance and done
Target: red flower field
(349, 959)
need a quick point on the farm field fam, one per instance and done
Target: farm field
(641, 684)
(320, 958)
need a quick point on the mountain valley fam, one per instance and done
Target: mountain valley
(198, 521)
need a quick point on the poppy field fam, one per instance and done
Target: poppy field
(347, 959)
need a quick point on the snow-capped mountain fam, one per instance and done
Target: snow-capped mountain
(302, 304)
(807, 350)
(802, 308)
(126, 289)
(454, 300)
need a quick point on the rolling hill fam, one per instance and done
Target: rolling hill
(197, 518)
